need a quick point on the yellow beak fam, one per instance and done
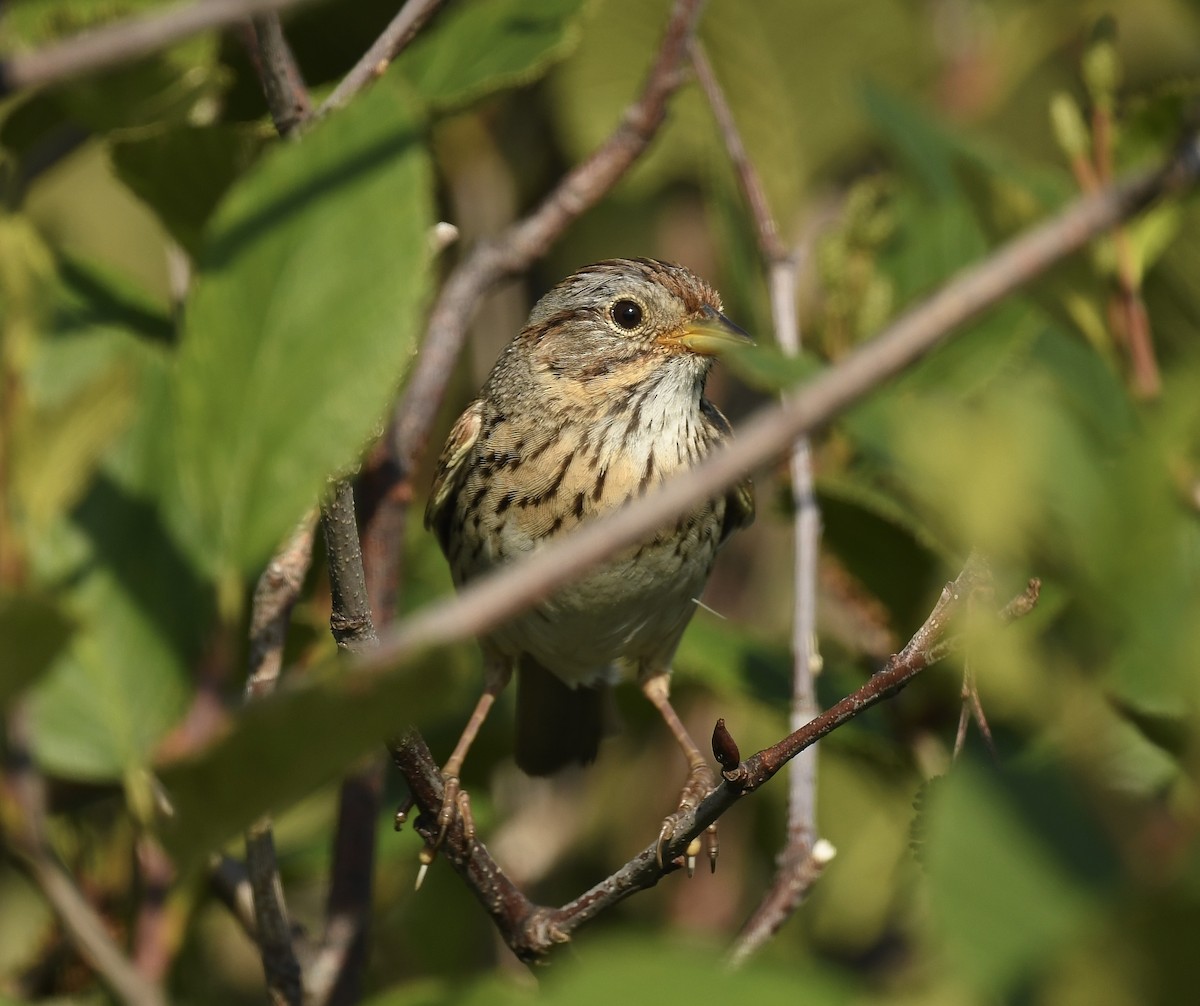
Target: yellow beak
(709, 335)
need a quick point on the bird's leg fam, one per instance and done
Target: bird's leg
(455, 800)
(700, 779)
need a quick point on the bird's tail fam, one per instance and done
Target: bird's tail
(558, 725)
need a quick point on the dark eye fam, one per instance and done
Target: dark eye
(627, 314)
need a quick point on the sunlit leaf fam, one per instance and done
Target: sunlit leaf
(142, 609)
(57, 449)
(482, 47)
(301, 322)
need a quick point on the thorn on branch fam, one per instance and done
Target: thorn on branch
(725, 750)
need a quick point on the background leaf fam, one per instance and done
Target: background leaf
(182, 172)
(33, 630)
(488, 45)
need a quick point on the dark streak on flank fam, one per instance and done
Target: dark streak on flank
(648, 474)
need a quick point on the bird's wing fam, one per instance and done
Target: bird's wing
(739, 508)
(450, 467)
(739, 498)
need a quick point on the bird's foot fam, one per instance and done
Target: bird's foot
(699, 783)
(456, 803)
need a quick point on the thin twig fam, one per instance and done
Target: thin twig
(274, 596)
(335, 971)
(229, 881)
(86, 930)
(1128, 318)
(532, 931)
(279, 587)
(796, 868)
(351, 622)
(402, 30)
(153, 942)
(282, 82)
(333, 974)
(124, 41)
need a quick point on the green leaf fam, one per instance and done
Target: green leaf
(181, 172)
(924, 147)
(882, 543)
(141, 608)
(733, 661)
(283, 747)
(168, 85)
(301, 322)
(632, 969)
(119, 687)
(478, 48)
(57, 449)
(1003, 895)
(635, 969)
(33, 631)
(769, 368)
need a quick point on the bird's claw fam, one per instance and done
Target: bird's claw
(456, 803)
(698, 785)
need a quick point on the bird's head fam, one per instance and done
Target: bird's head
(609, 319)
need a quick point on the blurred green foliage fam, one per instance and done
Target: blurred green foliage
(200, 324)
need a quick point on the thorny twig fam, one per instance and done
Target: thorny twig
(532, 930)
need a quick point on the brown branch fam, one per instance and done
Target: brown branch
(350, 621)
(797, 868)
(335, 971)
(274, 596)
(228, 880)
(282, 82)
(124, 41)
(402, 30)
(153, 939)
(532, 931)
(524, 926)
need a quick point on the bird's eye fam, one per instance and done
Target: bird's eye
(627, 314)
